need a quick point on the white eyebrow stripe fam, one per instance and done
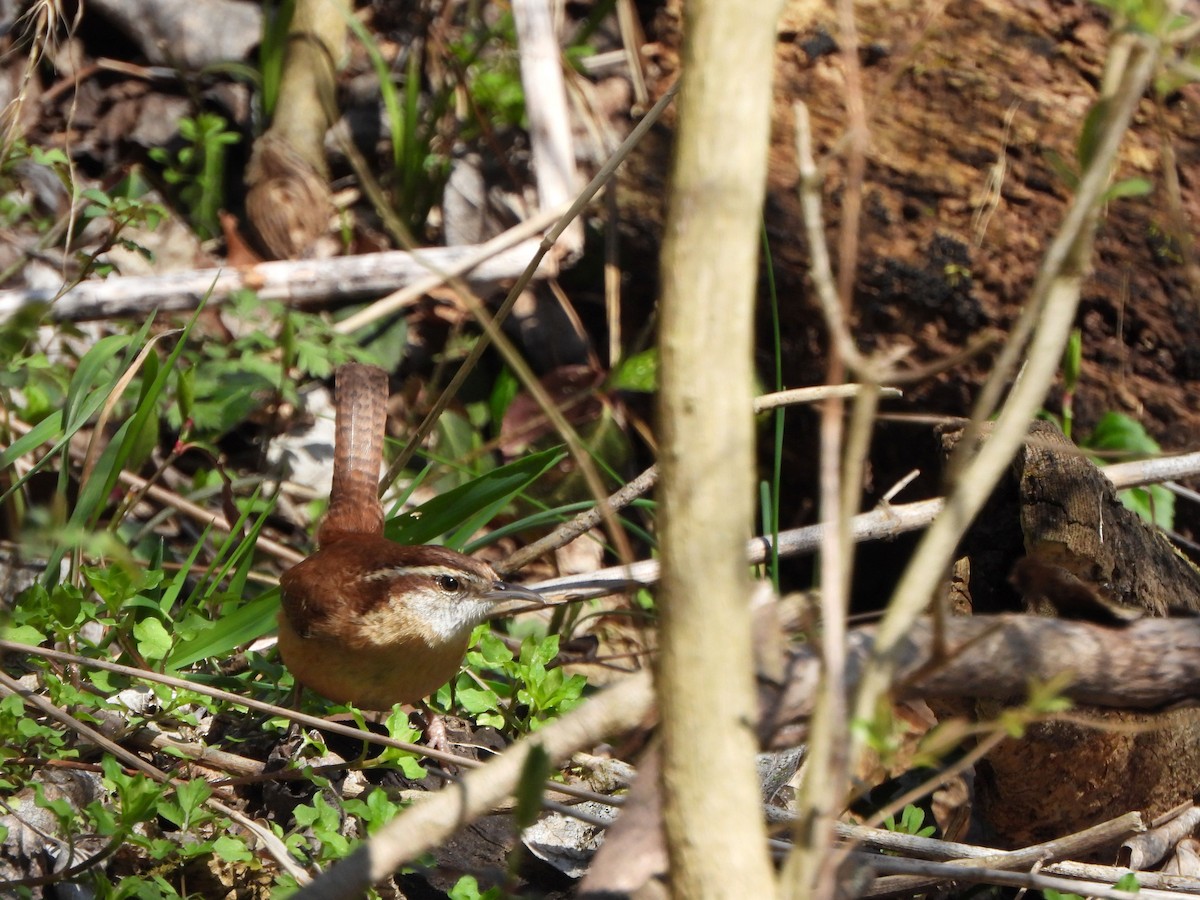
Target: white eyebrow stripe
(433, 571)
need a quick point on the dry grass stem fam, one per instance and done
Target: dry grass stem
(295, 282)
(644, 482)
(271, 709)
(547, 243)
(43, 706)
(200, 515)
(515, 237)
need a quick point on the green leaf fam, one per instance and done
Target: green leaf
(21, 634)
(191, 795)
(1153, 503)
(494, 651)
(138, 794)
(185, 392)
(154, 642)
(532, 786)
(1117, 432)
(505, 388)
(1092, 131)
(1128, 882)
(1062, 169)
(466, 888)
(79, 406)
(89, 370)
(271, 51)
(638, 373)
(1129, 187)
(41, 433)
(476, 700)
(1072, 360)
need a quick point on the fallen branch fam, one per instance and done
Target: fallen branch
(1149, 664)
(296, 282)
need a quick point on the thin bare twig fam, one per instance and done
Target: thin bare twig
(199, 514)
(593, 187)
(1053, 301)
(272, 709)
(886, 522)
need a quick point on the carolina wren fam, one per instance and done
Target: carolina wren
(365, 620)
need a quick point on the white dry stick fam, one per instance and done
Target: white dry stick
(546, 107)
(1142, 851)
(878, 524)
(640, 485)
(296, 282)
(519, 235)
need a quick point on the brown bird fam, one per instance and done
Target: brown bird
(366, 620)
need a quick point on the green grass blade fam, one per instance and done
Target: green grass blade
(467, 507)
(245, 624)
(175, 588)
(39, 434)
(387, 90)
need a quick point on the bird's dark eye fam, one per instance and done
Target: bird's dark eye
(447, 583)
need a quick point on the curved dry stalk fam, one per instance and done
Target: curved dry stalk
(842, 461)
(883, 523)
(284, 712)
(823, 280)
(581, 524)
(429, 822)
(492, 334)
(199, 514)
(594, 186)
(407, 296)
(114, 397)
(970, 872)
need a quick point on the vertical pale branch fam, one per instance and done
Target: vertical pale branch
(709, 266)
(826, 780)
(546, 109)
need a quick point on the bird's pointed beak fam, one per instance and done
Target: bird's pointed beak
(502, 590)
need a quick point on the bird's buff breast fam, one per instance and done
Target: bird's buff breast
(374, 676)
